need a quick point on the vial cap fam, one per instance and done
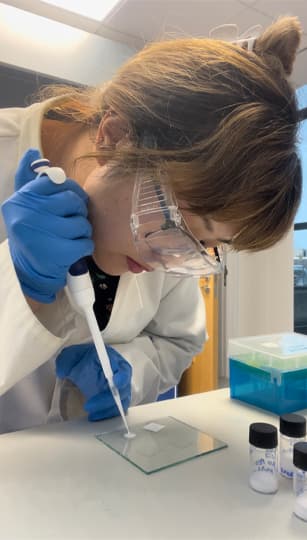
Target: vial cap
(292, 425)
(263, 435)
(300, 455)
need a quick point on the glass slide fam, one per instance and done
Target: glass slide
(160, 444)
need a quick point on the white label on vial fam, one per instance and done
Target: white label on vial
(263, 477)
(286, 463)
(153, 426)
(266, 464)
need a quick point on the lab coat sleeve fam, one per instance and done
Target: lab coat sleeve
(25, 342)
(166, 347)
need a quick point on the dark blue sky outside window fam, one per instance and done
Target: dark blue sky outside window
(300, 231)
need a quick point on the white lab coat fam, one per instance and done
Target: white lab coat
(157, 322)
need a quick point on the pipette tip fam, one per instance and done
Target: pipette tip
(129, 435)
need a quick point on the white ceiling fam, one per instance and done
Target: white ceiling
(148, 20)
(135, 22)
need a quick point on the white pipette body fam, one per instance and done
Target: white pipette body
(82, 292)
(81, 289)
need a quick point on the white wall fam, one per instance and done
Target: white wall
(259, 294)
(36, 43)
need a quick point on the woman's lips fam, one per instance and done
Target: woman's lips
(135, 267)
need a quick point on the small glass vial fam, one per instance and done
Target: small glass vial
(292, 429)
(300, 479)
(263, 474)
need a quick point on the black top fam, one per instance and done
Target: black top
(292, 425)
(300, 455)
(263, 435)
(105, 287)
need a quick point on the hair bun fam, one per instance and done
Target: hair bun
(281, 39)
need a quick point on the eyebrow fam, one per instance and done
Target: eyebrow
(208, 224)
(227, 241)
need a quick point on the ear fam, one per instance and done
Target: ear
(112, 129)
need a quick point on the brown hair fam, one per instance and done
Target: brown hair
(224, 122)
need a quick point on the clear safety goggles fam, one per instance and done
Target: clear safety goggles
(162, 238)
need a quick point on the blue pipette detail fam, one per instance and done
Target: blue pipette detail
(79, 267)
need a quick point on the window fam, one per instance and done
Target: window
(300, 232)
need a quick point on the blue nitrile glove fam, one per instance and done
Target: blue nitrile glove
(47, 229)
(80, 364)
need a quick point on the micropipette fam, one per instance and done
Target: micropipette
(81, 289)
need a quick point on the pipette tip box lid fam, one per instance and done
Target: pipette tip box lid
(269, 371)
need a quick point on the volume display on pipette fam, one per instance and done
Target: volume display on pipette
(82, 292)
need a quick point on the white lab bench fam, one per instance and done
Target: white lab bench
(59, 482)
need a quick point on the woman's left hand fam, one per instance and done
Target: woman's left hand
(80, 364)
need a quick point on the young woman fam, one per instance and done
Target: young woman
(205, 131)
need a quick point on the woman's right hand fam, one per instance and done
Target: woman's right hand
(47, 230)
